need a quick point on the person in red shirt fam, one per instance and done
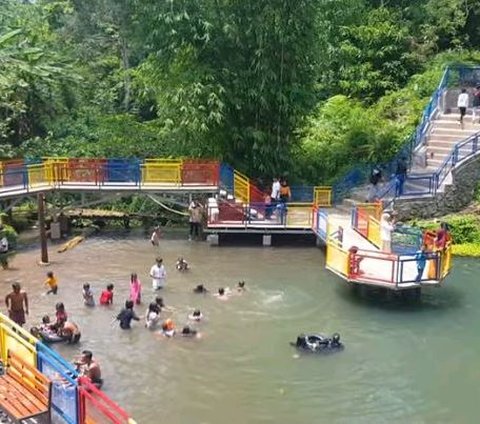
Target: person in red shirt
(106, 298)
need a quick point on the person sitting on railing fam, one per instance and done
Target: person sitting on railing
(421, 259)
(354, 262)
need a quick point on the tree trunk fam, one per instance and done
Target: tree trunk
(126, 75)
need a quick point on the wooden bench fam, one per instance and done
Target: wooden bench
(24, 391)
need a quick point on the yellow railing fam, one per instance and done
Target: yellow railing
(37, 175)
(337, 258)
(16, 339)
(446, 260)
(373, 232)
(162, 171)
(322, 196)
(241, 187)
(56, 169)
(299, 215)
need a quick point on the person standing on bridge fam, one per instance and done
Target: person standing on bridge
(462, 104)
(15, 302)
(387, 225)
(400, 176)
(476, 103)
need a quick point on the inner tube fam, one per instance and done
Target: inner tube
(50, 337)
(318, 343)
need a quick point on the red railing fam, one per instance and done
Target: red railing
(200, 172)
(256, 195)
(96, 407)
(85, 170)
(373, 266)
(229, 212)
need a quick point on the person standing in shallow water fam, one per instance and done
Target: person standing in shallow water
(158, 274)
(15, 302)
(135, 289)
(195, 210)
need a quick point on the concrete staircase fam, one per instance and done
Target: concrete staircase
(445, 133)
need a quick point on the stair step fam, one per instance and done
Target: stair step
(446, 144)
(457, 132)
(445, 137)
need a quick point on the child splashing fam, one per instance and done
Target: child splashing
(135, 289)
(182, 265)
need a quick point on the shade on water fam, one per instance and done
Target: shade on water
(405, 362)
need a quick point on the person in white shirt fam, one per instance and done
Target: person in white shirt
(275, 190)
(387, 225)
(462, 104)
(158, 274)
(3, 245)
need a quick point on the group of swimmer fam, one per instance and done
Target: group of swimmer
(66, 330)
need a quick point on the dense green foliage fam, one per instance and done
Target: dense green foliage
(308, 87)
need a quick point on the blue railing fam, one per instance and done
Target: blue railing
(359, 174)
(64, 398)
(406, 240)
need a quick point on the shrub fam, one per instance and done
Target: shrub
(466, 249)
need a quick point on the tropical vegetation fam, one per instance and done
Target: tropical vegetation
(304, 87)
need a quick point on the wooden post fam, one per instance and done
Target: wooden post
(41, 225)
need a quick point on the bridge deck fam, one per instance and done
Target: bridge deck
(21, 190)
(376, 266)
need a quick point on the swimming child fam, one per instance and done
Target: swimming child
(45, 324)
(153, 315)
(189, 332)
(221, 294)
(106, 298)
(51, 282)
(126, 316)
(241, 286)
(200, 289)
(196, 315)
(182, 264)
(88, 299)
(135, 289)
(168, 328)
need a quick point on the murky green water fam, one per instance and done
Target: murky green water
(403, 362)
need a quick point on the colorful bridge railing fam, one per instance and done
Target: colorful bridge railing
(294, 215)
(395, 270)
(48, 172)
(419, 184)
(73, 400)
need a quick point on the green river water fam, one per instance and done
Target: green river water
(404, 362)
